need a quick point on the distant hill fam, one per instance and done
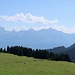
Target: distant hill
(71, 47)
(43, 39)
(61, 49)
(71, 51)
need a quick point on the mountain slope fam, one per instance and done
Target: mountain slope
(17, 65)
(61, 49)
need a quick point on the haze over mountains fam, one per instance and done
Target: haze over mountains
(43, 39)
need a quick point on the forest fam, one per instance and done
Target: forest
(38, 53)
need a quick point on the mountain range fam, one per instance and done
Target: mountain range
(43, 39)
(48, 39)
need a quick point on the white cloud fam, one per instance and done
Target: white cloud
(17, 28)
(28, 18)
(63, 29)
(56, 27)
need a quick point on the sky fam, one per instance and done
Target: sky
(38, 14)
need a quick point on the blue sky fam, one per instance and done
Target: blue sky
(38, 14)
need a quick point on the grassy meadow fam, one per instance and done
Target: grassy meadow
(21, 65)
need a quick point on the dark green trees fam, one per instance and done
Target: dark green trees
(41, 54)
(1, 50)
(38, 53)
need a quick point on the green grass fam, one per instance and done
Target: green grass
(16, 65)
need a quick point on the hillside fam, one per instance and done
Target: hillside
(17, 65)
(61, 49)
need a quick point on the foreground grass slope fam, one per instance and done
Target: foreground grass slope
(16, 65)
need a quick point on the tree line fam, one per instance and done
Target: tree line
(38, 53)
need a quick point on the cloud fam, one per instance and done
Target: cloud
(28, 18)
(64, 29)
(56, 27)
(17, 28)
